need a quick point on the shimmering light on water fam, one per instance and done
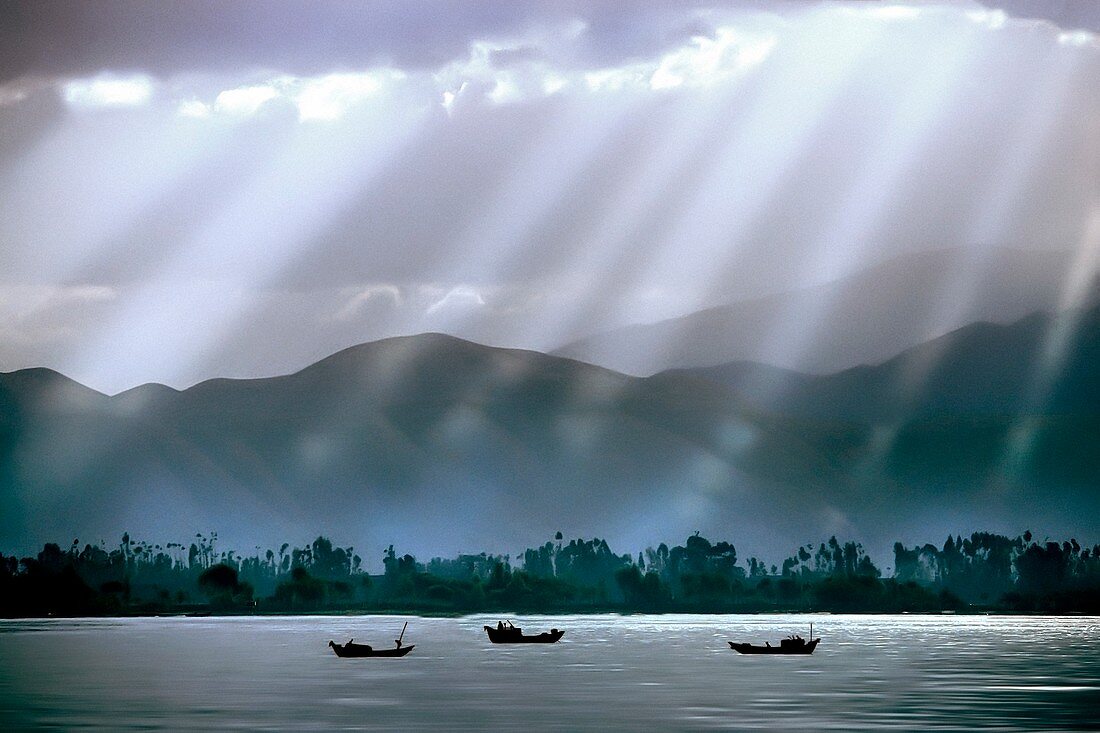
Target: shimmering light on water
(608, 673)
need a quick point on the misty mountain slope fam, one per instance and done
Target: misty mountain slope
(988, 413)
(441, 445)
(1039, 365)
(864, 318)
(43, 390)
(422, 438)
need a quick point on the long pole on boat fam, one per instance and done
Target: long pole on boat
(811, 631)
(402, 633)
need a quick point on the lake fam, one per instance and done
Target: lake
(608, 673)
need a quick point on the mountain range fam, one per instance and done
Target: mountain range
(862, 318)
(441, 446)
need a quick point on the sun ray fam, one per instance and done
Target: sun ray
(205, 287)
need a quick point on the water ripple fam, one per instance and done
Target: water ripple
(934, 673)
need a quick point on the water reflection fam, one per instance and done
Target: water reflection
(635, 672)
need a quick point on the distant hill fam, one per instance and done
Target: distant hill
(428, 441)
(441, 445)
(1039, 365)
(986, 405)
(861, 319)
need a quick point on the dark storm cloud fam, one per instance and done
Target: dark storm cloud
(55, 37)
(51, 37)
(1068, 14)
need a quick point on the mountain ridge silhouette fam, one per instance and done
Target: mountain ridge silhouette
(440, 445)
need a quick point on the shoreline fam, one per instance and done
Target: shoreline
(512, 613)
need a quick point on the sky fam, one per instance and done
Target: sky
(210, 189)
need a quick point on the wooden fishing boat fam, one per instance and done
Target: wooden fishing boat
(786, 646)
(791, 645)
(351, 649)
(501, 634)
(366, 650)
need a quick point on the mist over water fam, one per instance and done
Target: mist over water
(627, 673)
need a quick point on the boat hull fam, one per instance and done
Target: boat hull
(498, 637)
(807, 648)
(359, 651)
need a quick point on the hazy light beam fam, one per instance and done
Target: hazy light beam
(206, 287)
(916, 117)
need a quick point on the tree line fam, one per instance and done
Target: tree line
(982, 572)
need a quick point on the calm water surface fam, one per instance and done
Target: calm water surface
(609, 673)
